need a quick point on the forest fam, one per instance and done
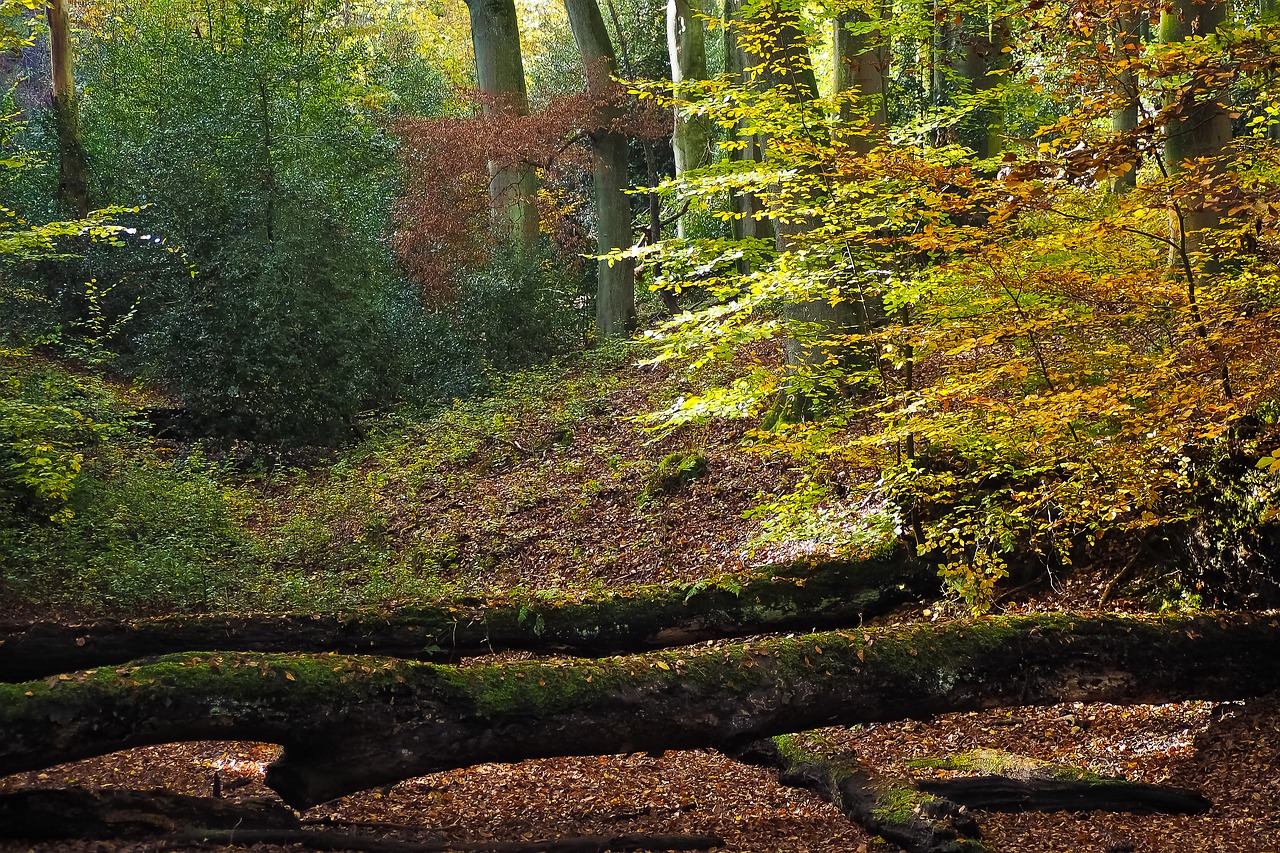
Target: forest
(524, 425)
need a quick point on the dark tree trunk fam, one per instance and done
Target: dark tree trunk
(73, 167)
(350, 723)
(790, 598)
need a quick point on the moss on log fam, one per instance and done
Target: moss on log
(1007, 782)
(894, 809)
(799, 597)
(351, 722)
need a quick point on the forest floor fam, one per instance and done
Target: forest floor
(556, 485)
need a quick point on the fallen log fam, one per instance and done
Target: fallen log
(799, 597)
(42, 814)
(893, 809)
(349, 723)
(366, 844)
(1008, 782)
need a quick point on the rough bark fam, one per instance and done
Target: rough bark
(73, 167)
(350, 723)
(797, 597)
(495, 36)
(1010, 782)
(42, 814)
(615, 290)
(891, 808)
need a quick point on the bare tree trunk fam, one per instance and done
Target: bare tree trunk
(73, 167)
(495, 36)
(1200, 125)
(686, 44)
(861, 63)
(1126, 38)
(615, 294)
(750, 221)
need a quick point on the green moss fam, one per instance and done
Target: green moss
(675, 471)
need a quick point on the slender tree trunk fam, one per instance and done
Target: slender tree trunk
(750, 221)
(615, 294)
(1126, 38)
(686, 44)
(495, 36)
(1200, 125)
(861, 63)
(978, 43)
(73, 167)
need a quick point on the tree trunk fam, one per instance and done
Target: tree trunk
(1130, 21)
(350, 723)
(495, 35)
(1009, 782)
(40, 814)
(615, 292)
(686, 44)
(73, 167)
(1199, 125)
(750, 220)
(787, 598)
(890, 808)
(861, 63)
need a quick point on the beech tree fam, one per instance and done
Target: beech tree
(615, 293)
(495, 35)
(73, 167)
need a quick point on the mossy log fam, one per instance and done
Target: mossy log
(41, 814)
(894, 809)
(1008, 782)
(352, 722)
(798, 597)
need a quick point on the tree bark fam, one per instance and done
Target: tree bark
(350, 723)
(615, 290)
(861, 63)
(73, 166)
(890, 808)
(686, 44)
(798, 597)
(1127, 32)
(750, 220)
(495, 36)
(1009, 782)
(40, 814)
(1198, 124)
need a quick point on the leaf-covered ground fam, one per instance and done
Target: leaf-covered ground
(556, 485)
(1229, 752)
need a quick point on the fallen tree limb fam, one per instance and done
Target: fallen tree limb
(368, 844)
(40, 814)
(796, 597)
(1018, 783)
(893, 809)
(349, 723)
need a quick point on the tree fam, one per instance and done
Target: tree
(495, 35)
(615, 292)
(73, 167)
(350, 723)
(686, 42)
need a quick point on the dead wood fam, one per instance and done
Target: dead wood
(349, 723)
